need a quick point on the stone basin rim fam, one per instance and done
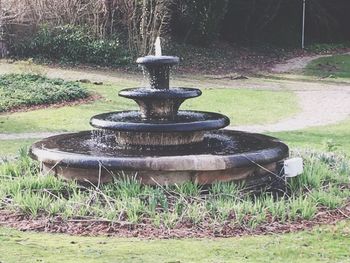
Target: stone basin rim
(218, 121)
(157, 94)
(158, 60)
(200, 162)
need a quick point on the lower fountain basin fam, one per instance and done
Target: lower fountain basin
(222, 156)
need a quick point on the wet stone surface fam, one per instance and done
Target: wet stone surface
(102, 144)
(184, 121)
(159, 142)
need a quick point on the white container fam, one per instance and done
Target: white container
(293, 167)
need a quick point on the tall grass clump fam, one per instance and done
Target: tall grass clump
(323, 185)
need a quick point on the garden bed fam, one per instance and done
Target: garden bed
(21, 92)
(126, 208)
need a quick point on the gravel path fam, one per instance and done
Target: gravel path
(29, 135)
(318, 108)
(321, 103)
(297, 63)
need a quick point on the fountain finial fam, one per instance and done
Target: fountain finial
(158, 47)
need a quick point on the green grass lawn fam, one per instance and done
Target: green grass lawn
(337, 66)
(331, 137)
(11, 147)
(242, 106)
(323, 244)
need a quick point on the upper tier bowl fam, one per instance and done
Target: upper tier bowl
(159, 94)
(158, 68)
(158, 60)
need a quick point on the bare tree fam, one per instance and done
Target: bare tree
(145, 20)
(8, 13)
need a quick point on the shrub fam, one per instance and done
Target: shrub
(71, 44)
(21, 90)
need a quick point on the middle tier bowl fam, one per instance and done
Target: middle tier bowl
(160, 103)
(131, 128)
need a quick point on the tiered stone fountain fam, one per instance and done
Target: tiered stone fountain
(160, 144)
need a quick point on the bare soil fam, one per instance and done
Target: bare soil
(145, 230)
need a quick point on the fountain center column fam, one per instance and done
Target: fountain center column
(159, 69)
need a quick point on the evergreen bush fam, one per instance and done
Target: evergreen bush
(71, 44)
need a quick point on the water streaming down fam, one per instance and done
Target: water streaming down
(145, 77)
(160, 140)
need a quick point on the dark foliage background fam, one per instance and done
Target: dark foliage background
(111, 32)
(268, 21)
